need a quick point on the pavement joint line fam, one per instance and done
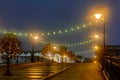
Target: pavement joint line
(52, 75)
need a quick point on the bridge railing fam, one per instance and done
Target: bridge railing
(111, 66)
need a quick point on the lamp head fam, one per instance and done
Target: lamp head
(98, 16)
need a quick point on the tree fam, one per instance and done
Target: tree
(10, 45)
(48, 48)
(71, 54)
(62, 51)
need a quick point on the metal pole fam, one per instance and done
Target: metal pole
(104, 45)
(110, 67)
(104, 34)
(32, 53)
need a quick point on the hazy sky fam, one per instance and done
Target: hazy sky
(52, 15)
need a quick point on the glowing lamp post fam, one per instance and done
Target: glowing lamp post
(96, 36)
(96, 47)
(32, 54)
(100, 16)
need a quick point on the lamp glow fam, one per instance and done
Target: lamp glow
(96, 36)
(36, 37)
(96, 47)
(98, 16)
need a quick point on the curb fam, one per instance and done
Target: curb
(52, 75)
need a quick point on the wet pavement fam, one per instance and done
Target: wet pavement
(80, 71)
(32, 72)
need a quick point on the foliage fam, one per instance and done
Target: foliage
(48, 48)
(62, 50)
(9, 44)
(71, 54)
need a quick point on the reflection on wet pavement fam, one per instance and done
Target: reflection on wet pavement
(32, 72)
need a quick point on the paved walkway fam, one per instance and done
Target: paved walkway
(80, 71)
(32, 71)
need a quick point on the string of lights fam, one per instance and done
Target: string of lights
(57, 32)
(70, 44)
(85, 52)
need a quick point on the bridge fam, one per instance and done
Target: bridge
(108, 69)
(55, 61)
(54, 71)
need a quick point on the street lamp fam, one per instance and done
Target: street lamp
(32, 54)
(96, 47)
(96, 36)
(100, 16)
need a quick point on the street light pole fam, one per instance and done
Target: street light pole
(32, 53)
(104, 35)
(101, 16)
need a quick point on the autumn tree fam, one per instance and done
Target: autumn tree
(48, 48)
(10, 45)
(62, 51)
(71, 54)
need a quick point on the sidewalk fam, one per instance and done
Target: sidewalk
(32, 71)
(80, 71)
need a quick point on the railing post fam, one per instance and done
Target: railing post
(110, 67)
(102, 62)
(106, 64)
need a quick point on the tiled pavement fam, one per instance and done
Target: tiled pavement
(81, 71)
(32, 72)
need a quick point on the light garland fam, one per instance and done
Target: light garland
(85, 52)
(70, 29)
(70, 44)
(55, 33)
